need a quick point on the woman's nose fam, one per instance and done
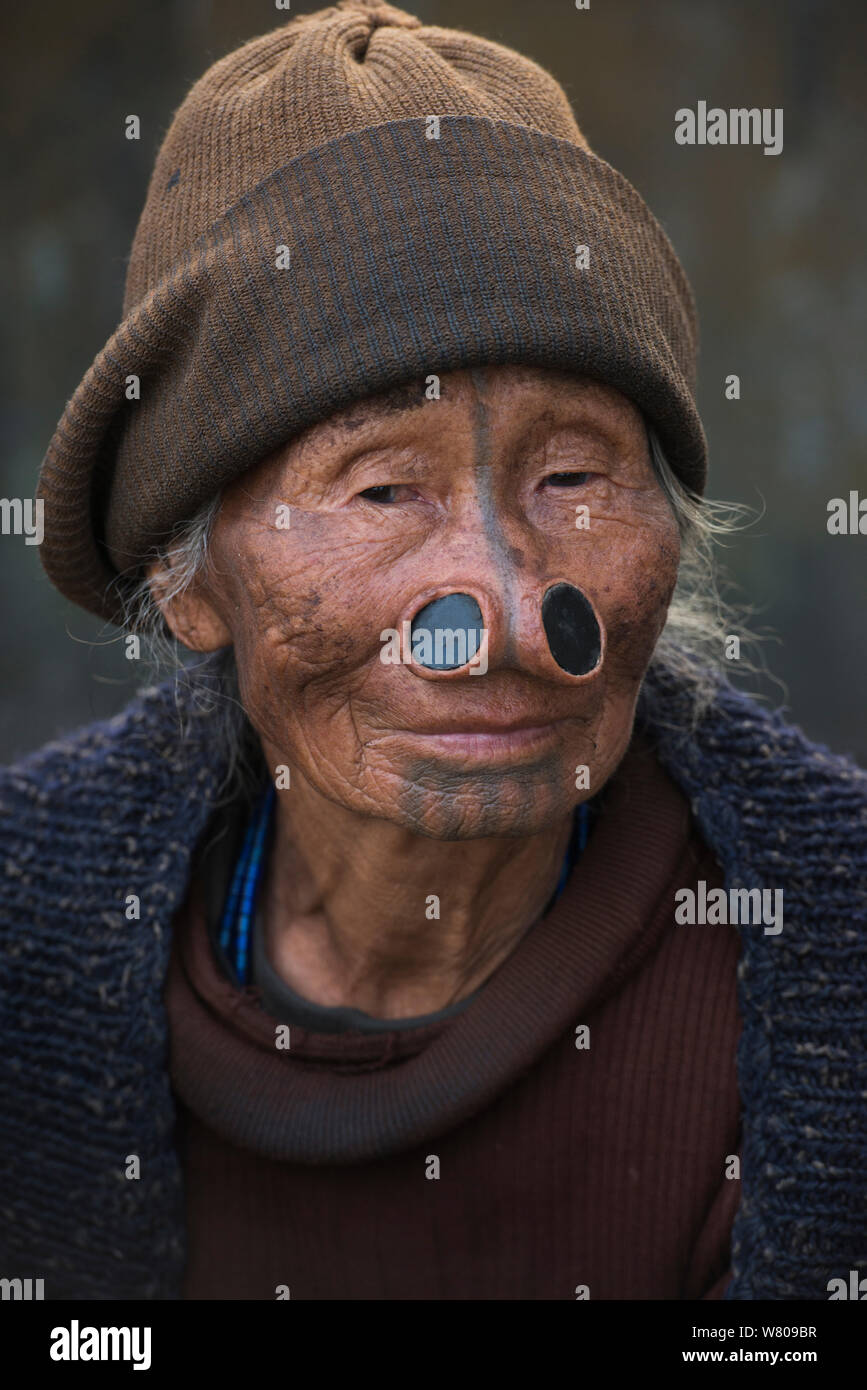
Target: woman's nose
(555, 633)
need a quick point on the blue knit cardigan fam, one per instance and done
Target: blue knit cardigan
(117, 808)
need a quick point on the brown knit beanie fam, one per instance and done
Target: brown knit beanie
(349, 202)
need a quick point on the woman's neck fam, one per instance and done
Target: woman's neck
(361, 912)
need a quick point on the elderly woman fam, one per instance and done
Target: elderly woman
(390, 948)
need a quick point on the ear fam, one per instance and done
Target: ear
(191, 615)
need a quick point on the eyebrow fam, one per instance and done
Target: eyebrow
(407, 395)
(409, 466)
(568, 420)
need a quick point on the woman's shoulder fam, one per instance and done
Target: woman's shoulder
(739, 742)
(774, 804)
(99, 804)
(157, 733)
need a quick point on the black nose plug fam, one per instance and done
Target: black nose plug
(572, 630)
(450, 632)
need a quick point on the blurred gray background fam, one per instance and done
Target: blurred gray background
(774, 248)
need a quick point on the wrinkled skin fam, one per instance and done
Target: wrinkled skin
(475, 492)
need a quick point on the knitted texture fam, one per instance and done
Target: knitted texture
(317, 78)
(782, 812)
(310, 238)
(117, 809)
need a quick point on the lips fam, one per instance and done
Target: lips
(488, 740)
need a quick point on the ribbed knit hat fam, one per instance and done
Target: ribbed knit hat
(352, 201)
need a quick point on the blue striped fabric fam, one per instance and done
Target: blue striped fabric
(240, 908)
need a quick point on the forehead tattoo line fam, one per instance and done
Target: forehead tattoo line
(485, 492)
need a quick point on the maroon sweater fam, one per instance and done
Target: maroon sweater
(558, 1166)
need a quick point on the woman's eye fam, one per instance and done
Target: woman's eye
(567, 479)
(383, 493)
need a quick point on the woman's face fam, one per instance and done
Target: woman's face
(514, 481)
